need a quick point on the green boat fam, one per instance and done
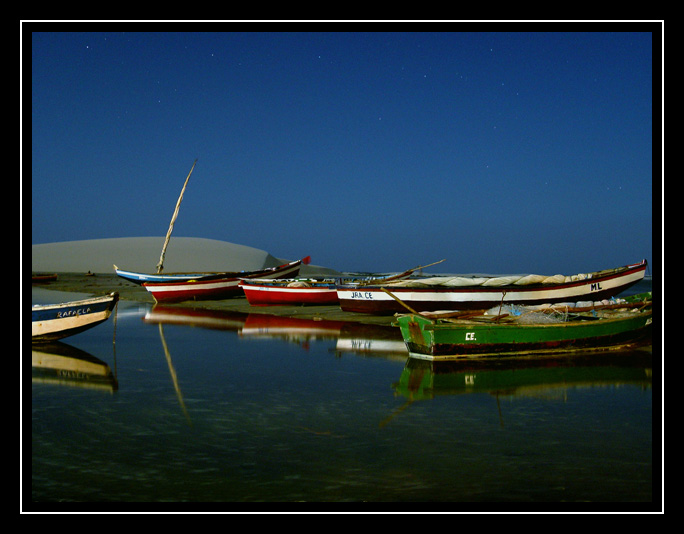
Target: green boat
(528, 331)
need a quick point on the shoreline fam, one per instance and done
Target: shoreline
(103, 284)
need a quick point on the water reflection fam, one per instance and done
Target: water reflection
(292, 420)
(198, 317)
(537, 376)
(61, 364)
(174, 375)
(542, 377)
(422, 379)
(351, 337)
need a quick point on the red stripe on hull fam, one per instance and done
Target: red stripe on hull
(213, 287)
(284, 297)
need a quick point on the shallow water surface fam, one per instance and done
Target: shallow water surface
(227, 407)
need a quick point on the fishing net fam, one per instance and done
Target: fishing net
(299, 283)
(530, 314)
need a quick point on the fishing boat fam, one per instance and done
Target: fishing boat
(140, 278)
(50, 322)
(216, 287)
(310, 291)
(530, 330)
(43, 278)
(272, 292)
(467, 293)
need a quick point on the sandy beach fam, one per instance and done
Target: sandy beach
(142, 254)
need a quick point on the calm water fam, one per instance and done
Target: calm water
(248, 408)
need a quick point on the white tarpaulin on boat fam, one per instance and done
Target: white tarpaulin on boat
(493, 281)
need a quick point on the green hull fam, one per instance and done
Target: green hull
(443, 340)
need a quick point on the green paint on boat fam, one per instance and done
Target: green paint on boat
(480, 336)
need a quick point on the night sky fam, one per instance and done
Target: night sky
(501, 152)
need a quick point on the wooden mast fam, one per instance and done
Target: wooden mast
(160, 265)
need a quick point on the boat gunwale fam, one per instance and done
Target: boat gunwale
(224, 277)
(275, 286)
(442, 324)
(113, 296)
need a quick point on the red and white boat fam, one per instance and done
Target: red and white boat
(470, 293)
(270, 292)
(217, 287)
(309, 291)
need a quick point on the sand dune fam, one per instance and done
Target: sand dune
(142, 254)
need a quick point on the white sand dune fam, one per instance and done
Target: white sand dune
(142, 254)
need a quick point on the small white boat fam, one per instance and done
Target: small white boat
(50, 322)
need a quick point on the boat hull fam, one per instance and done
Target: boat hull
(51, 322)
(599, 286)
(141, 278)
(43, 278)
(269, 294)
(214, 287)
(442, 340)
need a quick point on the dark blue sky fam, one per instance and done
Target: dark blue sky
(501, 152)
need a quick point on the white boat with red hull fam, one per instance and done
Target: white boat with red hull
(469, 293)
(216, 287)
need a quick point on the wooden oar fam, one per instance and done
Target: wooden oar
(409, 271)
(396, 412)
(465, 314)
(400, 276)
(428, 265)
(404, 304)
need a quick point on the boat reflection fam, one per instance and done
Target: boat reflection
(291, 329)
(371, 340)
(548, 378)
(61, 364)
(197, 317)
(350, 337)
(538, 376)
(173, 374)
